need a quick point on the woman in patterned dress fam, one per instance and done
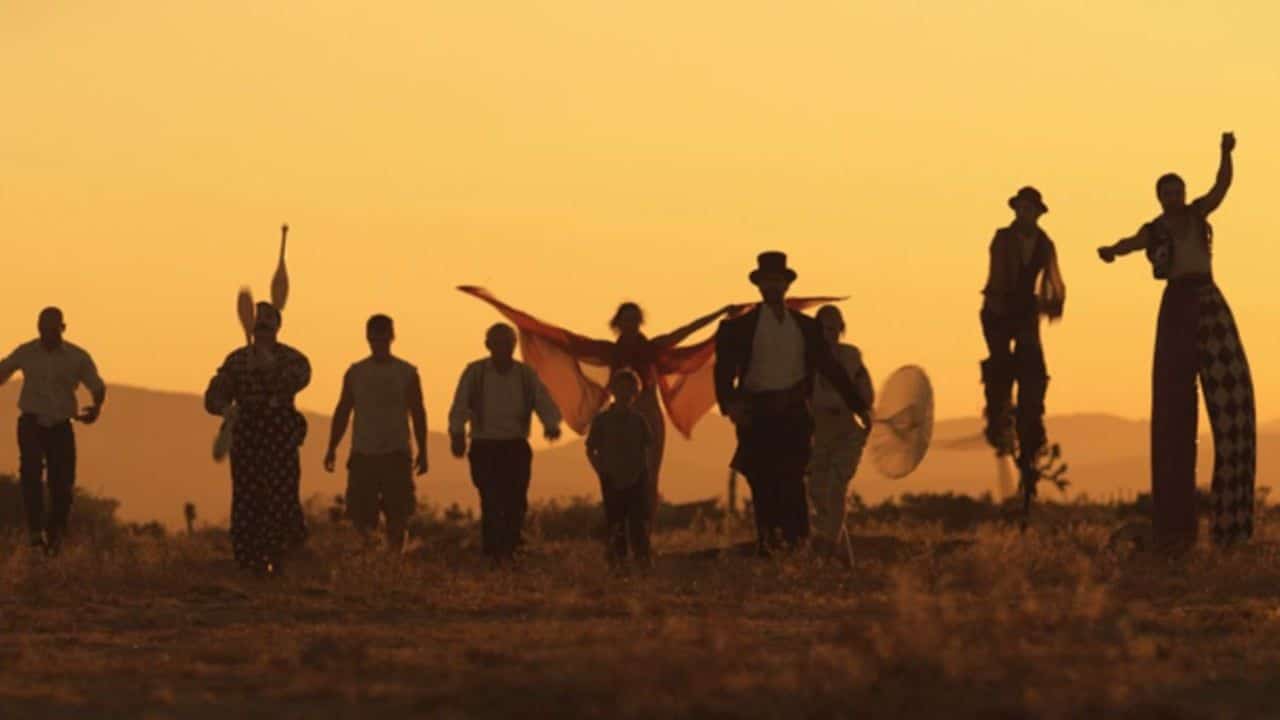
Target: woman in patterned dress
(262, 380)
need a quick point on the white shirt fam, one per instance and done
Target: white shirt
(503, 402)
(777, 353)
(50, 379)
(380, 392)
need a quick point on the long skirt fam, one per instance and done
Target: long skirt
(1196, 337)
(266, 512)
(837, 447)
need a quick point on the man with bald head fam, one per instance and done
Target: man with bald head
(52, 370)
(497, 397)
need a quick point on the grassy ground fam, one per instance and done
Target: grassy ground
(930, 622)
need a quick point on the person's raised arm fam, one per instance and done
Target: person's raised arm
(341, 418)
(1212, 199)
(680, 334)
(418, 415)
(1135, 243)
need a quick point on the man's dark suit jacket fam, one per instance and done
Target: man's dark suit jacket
(734, 339)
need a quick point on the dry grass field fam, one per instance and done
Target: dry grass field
(977, 621)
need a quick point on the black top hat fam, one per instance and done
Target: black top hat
(772, 261)
(1028, 194)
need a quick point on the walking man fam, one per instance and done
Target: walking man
(52, 369)
(385, 394)
(498, 396)
(765, 365)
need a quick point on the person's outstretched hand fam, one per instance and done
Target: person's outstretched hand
(1107, 253)
(1228, 141)
(421, 463)
(458, 445)
(89, 415)
(330, 460)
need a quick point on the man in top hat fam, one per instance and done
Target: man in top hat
(52, 369)
(1023, 284)
(765, 365)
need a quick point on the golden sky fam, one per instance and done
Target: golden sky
(570, 154)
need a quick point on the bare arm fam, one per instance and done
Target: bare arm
(679, 335)
(1222, 183)
(418, 416)
(341, 418)
(1137, 242)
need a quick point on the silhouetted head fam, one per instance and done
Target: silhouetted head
(380, 331)
(627, 319)
(832, 323)
(1028, 205)
(772, 276)
(1171, 191)
(500, 339)
(625, 386)
(51, 327)
(266, 324)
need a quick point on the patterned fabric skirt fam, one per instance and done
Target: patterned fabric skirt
(1197, 338)
(266, 512)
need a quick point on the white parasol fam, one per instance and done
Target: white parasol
(903, 423)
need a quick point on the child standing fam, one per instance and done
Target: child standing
(617, 446)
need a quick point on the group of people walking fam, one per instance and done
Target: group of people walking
(799, 399)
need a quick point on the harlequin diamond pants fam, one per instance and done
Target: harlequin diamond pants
(1197, 338)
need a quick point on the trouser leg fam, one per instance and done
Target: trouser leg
(1173, 422)
(60, 457)
(31, 451)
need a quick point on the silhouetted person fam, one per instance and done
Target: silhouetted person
(1196, 336)
(664, 366)
(497, 397)
(189, 512)
(838, 438)
(618, 447)
(1023, 284)
(52, 369)
(764, 369)
(385, 393)
(262, 379)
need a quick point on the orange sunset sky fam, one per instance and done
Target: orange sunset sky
(574, 153)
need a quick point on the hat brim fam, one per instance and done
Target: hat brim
(1013, 203)
(754, 277)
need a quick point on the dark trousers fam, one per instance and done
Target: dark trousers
(626, 515)
(1015, 355)
(773, 452)
(500, 470)
(54, 449)
(381, 485)
(1197, 338)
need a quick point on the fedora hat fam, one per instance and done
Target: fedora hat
(1031, 195)
(771, 261)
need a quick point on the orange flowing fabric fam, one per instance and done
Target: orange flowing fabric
(683, 374)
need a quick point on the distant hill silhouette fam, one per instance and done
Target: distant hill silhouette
(151, 451)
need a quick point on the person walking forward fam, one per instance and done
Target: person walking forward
(262, 380)
(1196, 337)
(497, 397)
(618, 447)
(385, 394)
(765, 364)
(838, 439)
(52, 369)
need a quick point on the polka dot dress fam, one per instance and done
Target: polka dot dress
(266, 513)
